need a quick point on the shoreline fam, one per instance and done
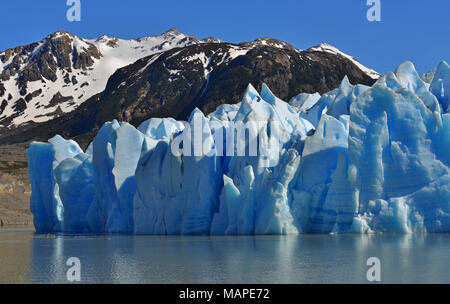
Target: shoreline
(15, 188)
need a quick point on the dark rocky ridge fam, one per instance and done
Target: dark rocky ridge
(168, 84)
(70, 65)
(55, 52)
(41, 61)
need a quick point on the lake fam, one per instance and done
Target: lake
(29, 258)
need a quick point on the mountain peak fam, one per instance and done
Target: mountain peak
(46, 79)
(170, 35)
(211, 40)
(273, 42)
(324, 47)
(328, 48)
(58, 34)
(172, 32)
(62, 71)
(267, 41)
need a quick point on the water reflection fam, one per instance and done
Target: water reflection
(230, 259)
(15, 249)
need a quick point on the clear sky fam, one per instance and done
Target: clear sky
(416, 30)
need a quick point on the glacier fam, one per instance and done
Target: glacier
(357, 159)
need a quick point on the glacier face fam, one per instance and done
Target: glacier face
(355, 160)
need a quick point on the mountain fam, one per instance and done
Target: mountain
(203, 75)
(325, 47)
(54, 76)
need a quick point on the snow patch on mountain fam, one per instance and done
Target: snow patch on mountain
(325, 47)
(75, 85)
(52, 77)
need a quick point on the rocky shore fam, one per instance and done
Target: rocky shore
(15, 189)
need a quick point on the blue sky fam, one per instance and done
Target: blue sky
(416, 30)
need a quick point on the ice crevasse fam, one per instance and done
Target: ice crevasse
(358, 159)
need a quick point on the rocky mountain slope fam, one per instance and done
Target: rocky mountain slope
(15, 189)
(171, 83)
(45, 79)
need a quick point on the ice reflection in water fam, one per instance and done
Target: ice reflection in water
(234, 259)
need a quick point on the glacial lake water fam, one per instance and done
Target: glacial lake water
(29, 258)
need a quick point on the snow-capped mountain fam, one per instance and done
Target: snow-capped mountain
(169, 75)
(44, 79)
(325, 47)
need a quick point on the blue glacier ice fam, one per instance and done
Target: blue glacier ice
(357, 159)
(440, 86)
